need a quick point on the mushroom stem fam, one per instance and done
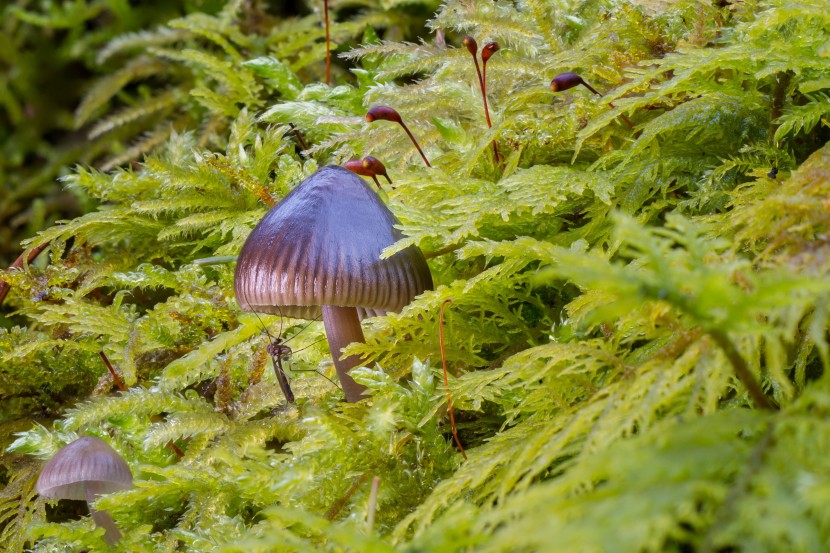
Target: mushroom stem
(102, 518)
(342, 328)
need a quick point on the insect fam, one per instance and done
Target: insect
(278, 350)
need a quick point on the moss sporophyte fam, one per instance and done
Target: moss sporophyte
(638, 325)
(486, 53)
(385, 113)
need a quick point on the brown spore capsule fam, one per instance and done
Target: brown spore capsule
(383, 113)
(357, 167)
(471, 44)
(565, 81)
(375, 166)
(488, 50)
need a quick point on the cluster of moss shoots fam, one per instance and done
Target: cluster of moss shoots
(604, 345)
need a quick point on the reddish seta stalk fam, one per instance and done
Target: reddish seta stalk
(472, 48)
(328, 41)
(341, 502)
(120, 385)
(447, 379)
(486, 53)
(117, 379)
(385, 113)
(298, 136)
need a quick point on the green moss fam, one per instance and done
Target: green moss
(626, 301)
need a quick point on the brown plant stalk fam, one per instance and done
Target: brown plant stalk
(446, 377)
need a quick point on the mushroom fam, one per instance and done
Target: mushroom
(85, 469)
(318, 252)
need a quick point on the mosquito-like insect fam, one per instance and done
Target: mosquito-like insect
(279, 350)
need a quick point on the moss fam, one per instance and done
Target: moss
(637, 340)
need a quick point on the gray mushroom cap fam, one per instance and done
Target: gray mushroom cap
(84, 461)
(321, 245)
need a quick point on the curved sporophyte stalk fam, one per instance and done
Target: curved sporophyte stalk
(298, 136)
(472, 48)
(486, 53)
(121, 387)
(115, 378)
(566, 81)
(19, 262)
(328, 41)
(446, 377)
(385, 113)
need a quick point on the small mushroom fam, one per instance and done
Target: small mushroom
(318, 252)
(85, 469)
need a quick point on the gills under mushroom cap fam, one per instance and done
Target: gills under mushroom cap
(84, 461)
(321, 245)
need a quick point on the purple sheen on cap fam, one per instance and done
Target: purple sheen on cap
(321, 245)
(85, 460)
